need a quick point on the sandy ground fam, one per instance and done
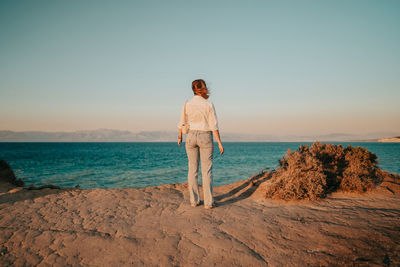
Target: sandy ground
(390, 140)
(156, 226)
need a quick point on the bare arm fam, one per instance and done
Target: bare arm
(221, 148)
(180, 137)
(181, 123)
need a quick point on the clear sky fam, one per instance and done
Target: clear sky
(274, 67)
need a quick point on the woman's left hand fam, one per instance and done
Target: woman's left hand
(221, 148)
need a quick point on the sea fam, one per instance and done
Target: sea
(134, 165)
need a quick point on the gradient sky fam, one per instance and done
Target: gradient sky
(276, 67)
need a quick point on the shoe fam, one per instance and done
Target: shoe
(211, 207)
(194, 205)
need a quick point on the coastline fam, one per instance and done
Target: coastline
(390, 140)
(33, 163)
(153, 226)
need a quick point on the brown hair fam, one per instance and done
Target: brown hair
(198, 84)
(199, 87)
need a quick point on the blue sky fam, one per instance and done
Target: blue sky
(276, 67)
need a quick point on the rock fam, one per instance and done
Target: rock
(7, 175)
(50, 186)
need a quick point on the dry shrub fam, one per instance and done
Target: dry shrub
(312, 172)
(300, 177)
(360, 173)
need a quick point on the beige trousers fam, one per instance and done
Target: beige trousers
(200, 144)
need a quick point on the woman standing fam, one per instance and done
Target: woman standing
(199, 114)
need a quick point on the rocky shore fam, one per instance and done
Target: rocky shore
(156, 226)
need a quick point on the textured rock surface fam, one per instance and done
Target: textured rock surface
(156, 226)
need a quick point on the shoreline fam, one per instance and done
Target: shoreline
(65, 166)
(156, 225)
(389, 140)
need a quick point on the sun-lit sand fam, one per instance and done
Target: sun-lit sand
(156, 226)
(390, 140)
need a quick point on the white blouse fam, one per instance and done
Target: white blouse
(200, 115)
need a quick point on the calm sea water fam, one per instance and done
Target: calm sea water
(117, 165)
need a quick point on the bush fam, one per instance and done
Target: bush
(312, 172)
(360, 174)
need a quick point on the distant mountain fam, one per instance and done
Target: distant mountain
(108, 135)
(100, 135)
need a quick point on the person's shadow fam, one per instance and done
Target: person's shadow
(249, 187)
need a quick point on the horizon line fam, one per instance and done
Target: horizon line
(226, 132)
